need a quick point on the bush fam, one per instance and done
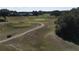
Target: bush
(68, 27)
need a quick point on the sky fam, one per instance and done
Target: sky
(36, 8)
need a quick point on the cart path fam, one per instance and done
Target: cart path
(19, 35)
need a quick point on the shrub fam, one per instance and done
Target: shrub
(68, 27)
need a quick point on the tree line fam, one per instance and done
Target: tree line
(6, 12)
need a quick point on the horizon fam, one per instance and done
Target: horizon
(29, 9)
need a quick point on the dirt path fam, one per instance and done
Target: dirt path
(19, 35)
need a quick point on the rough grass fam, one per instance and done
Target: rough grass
(43, 39)
(15, 26)
(37, 40)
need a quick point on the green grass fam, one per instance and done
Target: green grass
(20, 25)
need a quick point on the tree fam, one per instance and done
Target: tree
(68, 26)
(35, 13)
(40, 12)
(56, 13)
(4, 13)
